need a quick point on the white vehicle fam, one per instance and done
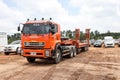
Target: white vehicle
(3, 41)
(109, 41)
(13, 47)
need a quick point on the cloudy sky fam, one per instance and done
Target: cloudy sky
(102, 15)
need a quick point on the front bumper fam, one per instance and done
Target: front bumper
(43, 53)
(10, 50)
(97, 45)
(109, 45)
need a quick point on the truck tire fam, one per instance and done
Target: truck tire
(58, 56)
(74, 52)
(71, 53)
(30, 60)
(7, 53)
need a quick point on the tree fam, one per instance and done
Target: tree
(13, 37)
(69, 34)
(63, 33)
(97, 32)
(82, 36)
(92, 35)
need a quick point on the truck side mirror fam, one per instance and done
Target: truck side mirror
(18, 28)
(52, 31)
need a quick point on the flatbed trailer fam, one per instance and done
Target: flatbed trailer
(41, 39)
(76, 44)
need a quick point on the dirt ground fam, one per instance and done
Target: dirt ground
(95, 64)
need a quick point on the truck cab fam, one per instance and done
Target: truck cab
(39, 39)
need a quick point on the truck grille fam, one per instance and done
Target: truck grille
(34, 43)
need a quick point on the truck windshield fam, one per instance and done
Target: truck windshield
(35, 29)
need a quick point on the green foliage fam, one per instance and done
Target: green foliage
(68, 33)
(71, 34)
(97, 35)
(13, 37)
(82, 36)
(93, 34)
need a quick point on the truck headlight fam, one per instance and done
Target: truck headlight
(47, 53)
(41, 43)
(26, 43)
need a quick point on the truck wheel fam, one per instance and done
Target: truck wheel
(6, 53)
(74, 53)
(30, 60)
(71, 53)
(58, 56)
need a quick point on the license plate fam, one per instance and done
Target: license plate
(32, 53)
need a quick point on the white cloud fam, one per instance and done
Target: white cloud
(41, 8)
(118, 10)
(46, 9)
(102, 15)
(79, 3)
(9, 18)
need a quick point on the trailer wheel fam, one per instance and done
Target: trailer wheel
(6, 53)
(85, 48)
(30, 60)
(58, 56)
(71, 53)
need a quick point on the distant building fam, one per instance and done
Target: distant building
(3, 40)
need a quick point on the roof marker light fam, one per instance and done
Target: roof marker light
(28, 20)
(42, 18)
(35, 19)
(50, 18)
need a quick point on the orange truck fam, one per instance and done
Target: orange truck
(41, 39)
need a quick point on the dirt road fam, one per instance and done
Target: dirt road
(95, 64)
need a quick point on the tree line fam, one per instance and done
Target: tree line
(70, 34)
(15, 36)
(97, 35)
